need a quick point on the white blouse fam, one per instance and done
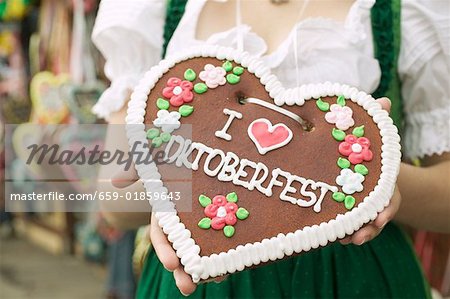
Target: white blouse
(130, 36)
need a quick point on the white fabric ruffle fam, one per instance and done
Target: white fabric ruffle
(427, 133)
(424, 67)
(129, 34)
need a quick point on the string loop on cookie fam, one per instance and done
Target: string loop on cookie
(306, 125)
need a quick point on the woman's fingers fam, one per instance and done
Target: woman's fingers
(169, 259)
(220, 278)
(183, 281)
(365, 234)
(163, 249)
(385, 103)
(346, 240)
(371, 230)
(389, 212)
(124, 178)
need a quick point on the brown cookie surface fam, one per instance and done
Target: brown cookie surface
(311, 155)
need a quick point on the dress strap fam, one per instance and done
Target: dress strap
(385, 16)
(174, 13)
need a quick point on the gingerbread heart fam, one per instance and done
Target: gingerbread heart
(46, 97)
(275, 171)
(81, 98)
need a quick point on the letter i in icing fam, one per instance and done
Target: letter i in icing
(231, 115)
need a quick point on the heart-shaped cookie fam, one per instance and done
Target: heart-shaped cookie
(46, 97)
(275, 171)
(81, 98)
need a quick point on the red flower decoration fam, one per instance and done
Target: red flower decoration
(221, 212)
(357, 149)
(178, 91)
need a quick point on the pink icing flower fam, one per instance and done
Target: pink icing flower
(341, 116)
(213, 76)
(221, 212)
(357, 149)
(178, 91)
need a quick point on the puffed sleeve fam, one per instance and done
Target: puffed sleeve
(129, 34)
(424, 67)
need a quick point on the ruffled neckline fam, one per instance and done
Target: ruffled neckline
(353, 28)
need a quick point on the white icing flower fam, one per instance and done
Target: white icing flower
(167, 121)
(341, 116)
(213, 76)
(350, 181)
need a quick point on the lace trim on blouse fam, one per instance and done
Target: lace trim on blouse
(427, 133)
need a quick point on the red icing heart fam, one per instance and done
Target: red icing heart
(268, 137)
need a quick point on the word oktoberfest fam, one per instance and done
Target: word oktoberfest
(54, 155)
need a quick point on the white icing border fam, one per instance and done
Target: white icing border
(204, 267)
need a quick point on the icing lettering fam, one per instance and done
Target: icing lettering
(173, 139)
(201, 149)
(231, 115)
(228, 170)
(241, 173)
(274, 182)
(214, 153)
(256, 182)
(232, 169)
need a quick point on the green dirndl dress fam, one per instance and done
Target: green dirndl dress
(385, 267)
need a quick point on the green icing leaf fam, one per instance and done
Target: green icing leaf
(204, 200)
(157, 141)
(343, 163)
(338, 196)
(190, 75)
(152, 133)
(339, 135)
(227, 66)
(358, 131)
(232, 197)
(233, 79)
(341, 100)
(228, 231)
(237, 70)
(242, 213)
(186, 110)
(162, 104)
(205, 223)
(323, 106)
(349, 202)
(200, 88)
(165, 137)
(361, 169)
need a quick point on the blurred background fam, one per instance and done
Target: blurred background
(50, 73)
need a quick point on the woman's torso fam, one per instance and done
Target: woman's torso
(336, 48)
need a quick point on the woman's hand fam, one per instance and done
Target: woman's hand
(371, 230)
(169, 259)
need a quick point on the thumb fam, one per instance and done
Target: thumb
(124, 177)
(385, 103)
